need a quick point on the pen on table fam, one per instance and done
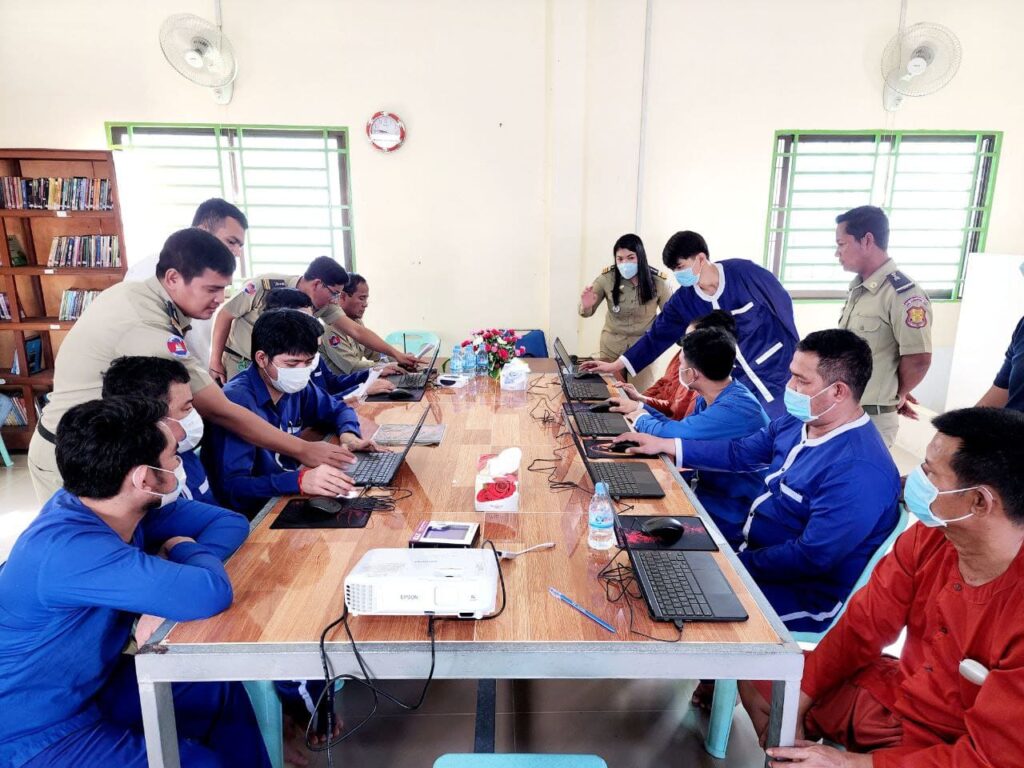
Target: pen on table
(555, 593)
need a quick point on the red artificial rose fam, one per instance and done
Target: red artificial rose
(466, 343)
(521, 351)
(503, 354)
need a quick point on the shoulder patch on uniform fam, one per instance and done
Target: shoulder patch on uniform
(900, 281)
(335, 340)
(249, 288)
(659, 273)
(176, 346)
(916, 312)
(606, 270)
(270, 283)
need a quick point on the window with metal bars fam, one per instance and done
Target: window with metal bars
(936, 188)
(292, 183)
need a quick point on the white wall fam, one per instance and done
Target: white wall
(521, 163)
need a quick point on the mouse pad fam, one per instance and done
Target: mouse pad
(355, 513)
(695, 536)
(592, 445)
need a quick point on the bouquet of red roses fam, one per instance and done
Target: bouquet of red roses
(500, 346)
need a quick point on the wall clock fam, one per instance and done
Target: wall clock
(386, 131)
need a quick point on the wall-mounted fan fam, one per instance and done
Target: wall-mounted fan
(918, 62)
(200, 52)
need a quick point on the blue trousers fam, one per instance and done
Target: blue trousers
(216, 728)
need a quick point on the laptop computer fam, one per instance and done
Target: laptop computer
(379, 469)
(418, 379)
(683, 586)
(629, 480)
(588, 423)
(565, 359)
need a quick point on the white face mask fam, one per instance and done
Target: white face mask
(171, 496)
(292, 380)
(193, 426)
(682, 377)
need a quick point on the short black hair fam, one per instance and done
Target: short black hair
(326, 270)
(683, 245)
(100, 440)
(866, 218)
(991, 452)
(354, 281)
(286, 332)
(143, 377)
(287, 298)
(842, 356)
(716, 318)
(193, 251)
(712, 351)
(212, 212)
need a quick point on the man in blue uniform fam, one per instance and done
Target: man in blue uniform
(277, 388)
(103, 550)
(166, 380)
(1007, 391)
(725, 410)
(766, 333)
(831, 489)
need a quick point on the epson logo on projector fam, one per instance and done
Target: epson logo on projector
(408, 597)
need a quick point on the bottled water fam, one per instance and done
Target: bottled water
(601, 532)
(481, 361)
(468, 361)
(455, 364)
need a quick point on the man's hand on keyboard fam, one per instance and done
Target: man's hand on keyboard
(380, 387)
(325, 481)
(355, 443)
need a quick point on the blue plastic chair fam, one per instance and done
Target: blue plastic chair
(270, 717)
(411, 341)
(535, 343)
(477, 760)
(724, 702)
(6, 406)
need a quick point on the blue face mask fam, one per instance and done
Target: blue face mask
(687, 277)
(627, 269)
(920, 493)
(799, 405)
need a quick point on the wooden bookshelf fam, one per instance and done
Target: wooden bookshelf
(34, 290)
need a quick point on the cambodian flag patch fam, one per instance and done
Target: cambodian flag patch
(250, 288)
(335, 340)
(176, 346)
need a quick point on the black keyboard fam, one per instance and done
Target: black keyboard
(673, 585)
(598, 423)
(410, 380)
(586, 390)
(617, 477)
(375, 468)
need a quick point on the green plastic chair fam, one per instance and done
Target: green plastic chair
(477, 760)
(270, 717)
(411, 342)
(724, 702)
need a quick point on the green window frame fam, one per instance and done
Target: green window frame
(293, 183)
(935, 186)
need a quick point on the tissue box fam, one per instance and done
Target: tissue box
(497, 482)
(515, 376)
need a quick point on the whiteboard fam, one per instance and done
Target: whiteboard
(992, 306)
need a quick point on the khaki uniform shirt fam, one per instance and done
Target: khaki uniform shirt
(344, 354)
(894, 316)
(246, 306)
(126, 319)
(625, 323)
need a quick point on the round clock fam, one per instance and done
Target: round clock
(386, 131)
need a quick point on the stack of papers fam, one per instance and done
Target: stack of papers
(398, 434)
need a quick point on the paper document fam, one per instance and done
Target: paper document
(398, 434)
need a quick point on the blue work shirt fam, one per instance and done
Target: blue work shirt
(69, 594)
(1011, 375)
(338, 384)
(245, 476)
(765, 330)
(735, 413)
(197, 484)
(826, 505)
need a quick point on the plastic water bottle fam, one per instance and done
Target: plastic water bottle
(601, 532)
(468, 361)
(481, 361)
(455, 364)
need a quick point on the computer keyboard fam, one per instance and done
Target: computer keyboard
(375, 468)
(673, 585)
(410, 380)
(586, 390)
(618, 478)
(599, 423)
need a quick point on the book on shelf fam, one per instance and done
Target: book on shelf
(84, 251)
(34, 354)
(18, 417)
(5, 308)
(55, 194)
(74, 301)
(18, 256)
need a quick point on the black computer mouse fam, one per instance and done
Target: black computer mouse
(623, 446)
(399, 394)
(322, 507)
(667, 530)
(603, 407)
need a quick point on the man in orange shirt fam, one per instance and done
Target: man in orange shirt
(956, 584)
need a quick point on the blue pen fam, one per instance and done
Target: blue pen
(555, 593)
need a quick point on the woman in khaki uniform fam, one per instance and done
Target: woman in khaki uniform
(634, 293)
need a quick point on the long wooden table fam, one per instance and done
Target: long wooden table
(288, 583)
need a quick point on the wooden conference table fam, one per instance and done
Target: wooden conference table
(288, 584)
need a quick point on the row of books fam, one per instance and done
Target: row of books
(74, 301)
(74, 194)
(18, 417)
(5, 307)
(84, 251)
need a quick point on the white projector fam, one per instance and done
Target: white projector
(418, 582)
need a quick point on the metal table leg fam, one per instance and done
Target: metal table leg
(486, 705)
(158, 724)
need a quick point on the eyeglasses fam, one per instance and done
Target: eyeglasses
(335, 295)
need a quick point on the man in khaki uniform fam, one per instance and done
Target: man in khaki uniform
(343, 353)
(889, 311)
(151, 318)
(322, 281)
